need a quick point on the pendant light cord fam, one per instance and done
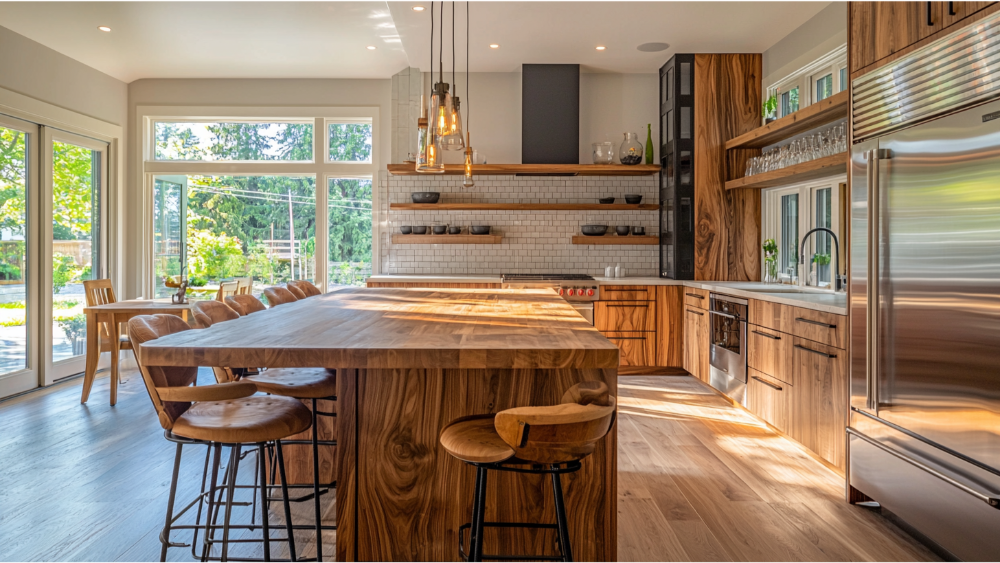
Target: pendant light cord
(453, 77)
(468, 100)
(441, 45)
(432, 45)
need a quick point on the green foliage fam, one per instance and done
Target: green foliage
(195, 281)
(770, 108)
(12, 305)
(9, 271)
(821, 259)
(770, 247)
(13, 321)
(64, 270)
(12, 180)
(75, 327)
(214, 256)
(72, 208)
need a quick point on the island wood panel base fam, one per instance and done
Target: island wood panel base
(298, 457)
(401, 497)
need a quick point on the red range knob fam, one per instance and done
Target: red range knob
(590, 292)
(571, 292)
(561, 290)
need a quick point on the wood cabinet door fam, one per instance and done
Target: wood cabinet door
(696, 298)
(628, 292)
(696, 339)
(954, 12)
(879, 29)
(625, 316)
(769, 352)
(636, 348)
(820, 405)
(670, 326)
(769, 399)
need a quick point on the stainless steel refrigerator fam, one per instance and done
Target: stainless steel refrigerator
(924, 433)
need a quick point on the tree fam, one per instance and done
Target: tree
(12, 180)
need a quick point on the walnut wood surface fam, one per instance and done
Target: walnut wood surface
(769, 399)
(403, 497)
(399, 328)
(615, 239)
(637, 348)
(770, 352)
(696, 351)
(826, 328)
(432, 285)
(695, 297)
(819, 168)
(727, 224)
(820, 400)
(628, 292)
(479, 206)
(610, 316)
(809, 117)
(511, 169)
(669, 326)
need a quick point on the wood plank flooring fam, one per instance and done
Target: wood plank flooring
(698, 480)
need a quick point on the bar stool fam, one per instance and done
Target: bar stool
(279, 296)
(306, 287)
(537, 440)
(225, 414)
(244, 304)
(298, 293)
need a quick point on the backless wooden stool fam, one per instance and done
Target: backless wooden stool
(538, 440)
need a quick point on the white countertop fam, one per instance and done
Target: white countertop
(809, 298)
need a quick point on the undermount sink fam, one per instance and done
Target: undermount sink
(783, 289)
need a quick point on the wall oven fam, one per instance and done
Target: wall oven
(728, 342)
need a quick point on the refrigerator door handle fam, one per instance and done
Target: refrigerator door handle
(871, 380)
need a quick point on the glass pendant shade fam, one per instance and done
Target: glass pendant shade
(455, 139)
(429, 159)
(468, 182)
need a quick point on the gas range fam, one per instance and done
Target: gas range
(572, 287)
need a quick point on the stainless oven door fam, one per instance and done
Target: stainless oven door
(586, 309)
(728, 354)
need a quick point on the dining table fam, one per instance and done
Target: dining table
(408, 362)
(106, 320)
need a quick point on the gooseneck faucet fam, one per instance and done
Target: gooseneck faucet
(838, 281)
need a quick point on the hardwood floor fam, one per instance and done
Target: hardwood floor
(698, 480)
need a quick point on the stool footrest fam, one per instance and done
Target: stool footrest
(498, 557)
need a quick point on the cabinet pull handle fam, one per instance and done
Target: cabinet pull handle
(929, 20)
(812, 322)
(626, 306)
(627, 338)
(695, 295)
(824, 354)
(951, 9)
(771, 336)
(696, 313)
(768, 383)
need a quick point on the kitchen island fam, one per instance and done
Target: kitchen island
(409, 361)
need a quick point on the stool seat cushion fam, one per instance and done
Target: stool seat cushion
(301, 383)
(474, 439)
(242, 421)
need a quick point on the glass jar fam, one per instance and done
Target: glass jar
(604, 153)
(631, 150)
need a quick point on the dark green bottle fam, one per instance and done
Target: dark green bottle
(649, 143)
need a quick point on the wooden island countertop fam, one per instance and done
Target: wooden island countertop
(410, 361)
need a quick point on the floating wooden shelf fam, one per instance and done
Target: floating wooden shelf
(826, 166)
(615, 239)
(815, 115)
(535, 169)
(446, 239)
(525, 206)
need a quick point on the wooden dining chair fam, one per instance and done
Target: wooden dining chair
(245, 304)
(245, 286)
(298, 293)
(538, 440)
(279, 296)
(306, 287)
(100, 292)
(226, 414)
(227, 289)
(207, 313)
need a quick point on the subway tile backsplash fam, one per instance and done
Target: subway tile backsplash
(533, 241)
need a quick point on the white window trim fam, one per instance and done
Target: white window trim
(321, 168)
(771, 213)
(805, 77)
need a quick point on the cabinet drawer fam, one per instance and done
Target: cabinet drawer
(628, 293)
(769, 399)
(768, 315)
(625, 316)
(822, 327)
(769, 352)
(696, 297)
(636, 348)
(819, 413)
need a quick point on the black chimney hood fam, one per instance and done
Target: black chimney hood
(550, 114)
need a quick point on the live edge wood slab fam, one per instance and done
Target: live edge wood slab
(409, 362)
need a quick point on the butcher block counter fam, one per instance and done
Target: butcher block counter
(409, 361)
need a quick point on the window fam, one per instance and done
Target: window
(789, 102)
(243, 197)
(812, 83)
(843, 79)
(789, 213)
(824, 87)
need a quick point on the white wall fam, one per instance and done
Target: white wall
(823, 33)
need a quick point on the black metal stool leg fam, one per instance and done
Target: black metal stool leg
(212, 508)
(264, 521)
(165, 535)
(234, 465)
(284, 501)
(564, 547)
(319, 510)
(478, 517)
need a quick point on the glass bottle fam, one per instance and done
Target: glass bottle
(455, 139)
(468, 182)
(631, 150)
(649, 143)
(433, 161)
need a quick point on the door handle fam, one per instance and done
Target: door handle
(627, 338)
(951, 9)
(812, 322)
(817, 352)
(695, 295)
(721, 314)
(929, 20)
(765, 382)
(771, 336)
(696, 313)
(872, 324)
(627, 306)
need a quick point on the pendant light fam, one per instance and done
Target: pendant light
(467, 181)
(454, 140)
(429, 158)
(441, 107)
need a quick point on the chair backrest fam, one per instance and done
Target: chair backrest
(207, 313)
(298, 293)
(245, 304)
(226, 289)
(245, 286)
(306, 287)
(565, 432)
(99, 292)
(279, 296)
(144, 328)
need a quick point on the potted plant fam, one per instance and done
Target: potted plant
(822, 262)
(770, 108)
(770, 261)
(76, 331)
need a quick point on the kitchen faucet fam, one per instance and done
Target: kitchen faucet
(838, 281)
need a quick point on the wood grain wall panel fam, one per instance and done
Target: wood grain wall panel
(347, 482)
(670, 325)
(727, 224)
(298, 457)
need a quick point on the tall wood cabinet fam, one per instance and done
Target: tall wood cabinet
(696, 333)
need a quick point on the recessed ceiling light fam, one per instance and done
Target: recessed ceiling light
(104, 28)
(418, 8)
(371, 47)
(600, 47)
(494, 46)
(653, 47)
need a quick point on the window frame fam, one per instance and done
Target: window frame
(322, 169)
(807, 192)
(805, 78)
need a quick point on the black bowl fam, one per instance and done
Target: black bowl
(622, 230)
(639, 231)
(425, 197)
(594, 230)
(480, 229)
(632, 199)
(440, 229)
(420, 230)
(406, 229)
(606, 200)
(454, 230)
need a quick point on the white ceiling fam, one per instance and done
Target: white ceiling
(329, 39)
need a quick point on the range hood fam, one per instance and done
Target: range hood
(550, 114)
